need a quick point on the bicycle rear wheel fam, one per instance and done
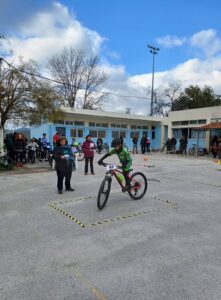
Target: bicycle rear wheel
(138, 186)
(103, 193)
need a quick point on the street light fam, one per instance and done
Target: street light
(154, 51)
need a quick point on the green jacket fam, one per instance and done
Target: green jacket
(124, 157)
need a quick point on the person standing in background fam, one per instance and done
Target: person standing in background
(63, 164)
(135, 142)
(88, 148)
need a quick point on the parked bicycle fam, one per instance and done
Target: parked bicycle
(201, 151)
(138, 184)
(6, 162)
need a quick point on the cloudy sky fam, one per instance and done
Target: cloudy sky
(188, 34)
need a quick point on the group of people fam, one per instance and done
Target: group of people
(144, 143)
(172, 142)
(18, 147)
(64, 160)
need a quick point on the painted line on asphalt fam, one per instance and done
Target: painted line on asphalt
(169, 204)
(94, 290)
(197, 182)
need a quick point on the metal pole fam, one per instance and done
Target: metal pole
(151, 107)
(154, 51)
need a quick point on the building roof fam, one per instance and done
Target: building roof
(105, 114)
(212, 125)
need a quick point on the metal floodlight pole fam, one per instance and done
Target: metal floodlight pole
(154, 51)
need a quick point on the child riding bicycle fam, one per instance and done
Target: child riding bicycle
(124, 157)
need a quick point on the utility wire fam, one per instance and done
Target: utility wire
(68, 84)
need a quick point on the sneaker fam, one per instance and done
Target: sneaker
(70, 189)
(125, 188)
(59, 192)
(85, 173)
(92, 173)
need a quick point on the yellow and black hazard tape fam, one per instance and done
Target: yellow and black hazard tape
(67, 215)
(169, 204)
(122, 218)
(82, 198)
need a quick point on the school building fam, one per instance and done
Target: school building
(77, 123)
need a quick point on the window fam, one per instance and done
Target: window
(123, 134)
(80, 133)
(98, 125)
(79, 123)
(184, 122)
(177, 133)
(133, 126)
(153, 134)
(193, 133)
(105, 125)
(113, 125)
(139, 127)
(145, 127)
(145, 133)
(61, 130)
(123, 126)
(102, 134)
(93, 133)
(201, 121)
(133, 134)
(73, 133)
(193, 121)
(91, 124)
(69, 122)
(177, 123)
(58, 122)
(115, 134)
(77, 133)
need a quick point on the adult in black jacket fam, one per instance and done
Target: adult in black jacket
(143, 144)
(63, 164)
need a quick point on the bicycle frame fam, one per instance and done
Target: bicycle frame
(114, 173)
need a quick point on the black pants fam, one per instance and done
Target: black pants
(61, 175)
(143, 149)
(87, 159)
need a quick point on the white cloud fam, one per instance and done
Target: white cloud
(48, 32)
(207, 41)
(169, 41)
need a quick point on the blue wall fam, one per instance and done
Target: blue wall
(50, 129)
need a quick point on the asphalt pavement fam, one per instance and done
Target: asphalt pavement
(164, 246)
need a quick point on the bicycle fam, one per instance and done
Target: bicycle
(80, 156)
(136, 190)
(201, 151)
(6, 162)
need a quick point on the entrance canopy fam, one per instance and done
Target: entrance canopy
(212, 125)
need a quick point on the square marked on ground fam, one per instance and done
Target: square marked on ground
(84, 212)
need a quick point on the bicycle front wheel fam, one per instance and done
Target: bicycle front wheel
(138, 186)
(80, 156)
(103, 193)
(191, 151)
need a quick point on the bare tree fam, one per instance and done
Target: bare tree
(23, 96)
(80, 78)
(164, 99)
